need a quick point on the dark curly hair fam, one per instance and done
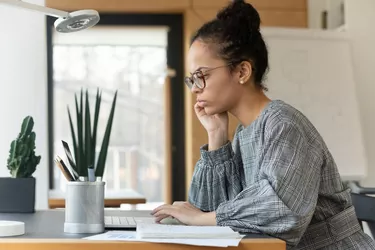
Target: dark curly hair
(235, 36)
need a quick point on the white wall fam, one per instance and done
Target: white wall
(335, 15)
(360, 21)
(23, 80)
(315, 9)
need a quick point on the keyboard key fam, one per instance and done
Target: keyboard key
(131, 221)
(116, 220)
(123, 221)
(144, 220)
(107, 220)
(119, 221)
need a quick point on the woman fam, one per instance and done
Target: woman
(277, 176)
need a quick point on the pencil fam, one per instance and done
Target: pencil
(64, 171)
(71, 171)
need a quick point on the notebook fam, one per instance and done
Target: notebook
(162, 231)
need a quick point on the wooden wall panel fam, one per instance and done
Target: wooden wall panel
(122, 6)
(276, 18)
(297, 5)
(176, 6)
(295, 19)
(191, 23)
(168, 142)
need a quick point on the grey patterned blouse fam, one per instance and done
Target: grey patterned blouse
(277, 177)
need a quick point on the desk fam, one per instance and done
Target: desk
(56, 198)
(45, 231)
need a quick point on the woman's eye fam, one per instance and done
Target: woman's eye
(199, 74)
(205, 76)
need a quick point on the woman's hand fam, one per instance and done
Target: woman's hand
(211, 123)
(215, 125)
(185, 213)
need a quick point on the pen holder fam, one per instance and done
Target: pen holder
(84, 207)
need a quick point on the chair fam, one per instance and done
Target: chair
(364, 206)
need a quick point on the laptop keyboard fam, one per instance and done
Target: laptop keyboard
(126, 221)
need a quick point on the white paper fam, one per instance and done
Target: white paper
(162, 231)
(131, 236)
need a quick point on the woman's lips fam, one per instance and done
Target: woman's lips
(202, 103)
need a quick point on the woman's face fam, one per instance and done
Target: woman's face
(223, 89)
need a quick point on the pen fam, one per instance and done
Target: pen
(91, 174)
(68, 154)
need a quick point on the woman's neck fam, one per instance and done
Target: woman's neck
(250, 106)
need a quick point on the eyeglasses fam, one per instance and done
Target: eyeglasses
(198, 77)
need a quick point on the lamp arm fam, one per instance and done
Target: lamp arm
(34, 7)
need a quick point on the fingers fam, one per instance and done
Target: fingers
(176, 203)
(159, 208)
(165, 212)
(199, 110)
(161, 217)
(157, 215)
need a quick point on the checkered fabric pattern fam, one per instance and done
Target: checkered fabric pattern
(277, 177)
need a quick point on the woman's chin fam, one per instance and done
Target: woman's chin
(211, 111)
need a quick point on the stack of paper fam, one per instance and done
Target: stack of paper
(175, 234)
(131, 236)
(160, 231)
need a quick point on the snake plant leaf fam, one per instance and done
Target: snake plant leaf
(95, 128)
(81, 165)
(78, 155)
(103, 151)
(82, 142)
(74, 139)
(88, 142)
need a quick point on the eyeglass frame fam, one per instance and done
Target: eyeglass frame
(201, 76)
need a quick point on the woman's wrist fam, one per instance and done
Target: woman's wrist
(207, 219)
(217, 139)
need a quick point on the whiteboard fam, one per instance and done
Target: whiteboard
(313, 71)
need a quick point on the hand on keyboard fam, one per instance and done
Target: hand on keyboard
(170, 221)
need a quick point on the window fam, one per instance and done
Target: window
(133, 60)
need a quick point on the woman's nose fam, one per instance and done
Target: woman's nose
(195, 89)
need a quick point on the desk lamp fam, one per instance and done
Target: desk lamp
(66, 22)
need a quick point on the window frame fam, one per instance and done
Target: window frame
(175, 61)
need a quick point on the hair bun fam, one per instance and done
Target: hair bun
(240, 13)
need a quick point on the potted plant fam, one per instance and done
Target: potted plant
(84, 203)
(17, 193)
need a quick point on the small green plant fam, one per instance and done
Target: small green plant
(84, 144)
(22, 160)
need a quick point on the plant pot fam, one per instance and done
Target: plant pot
(17, 195)
(84, 207)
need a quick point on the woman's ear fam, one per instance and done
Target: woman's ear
(246, 70)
